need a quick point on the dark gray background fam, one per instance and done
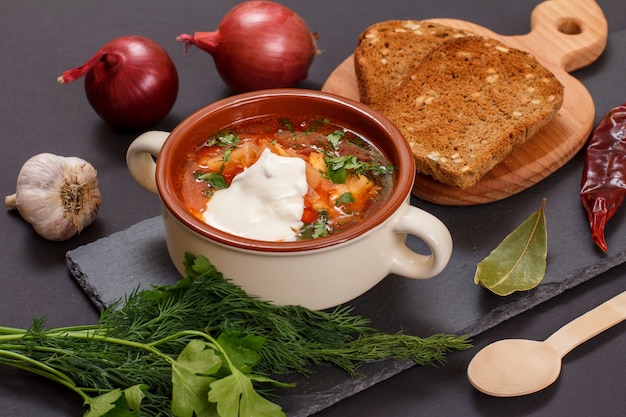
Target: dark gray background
(41, 39)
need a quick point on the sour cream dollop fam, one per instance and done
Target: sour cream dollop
(264, 202)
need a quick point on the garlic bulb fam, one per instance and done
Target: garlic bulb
(57, 195)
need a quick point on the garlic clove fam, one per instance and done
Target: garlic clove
(57, 195)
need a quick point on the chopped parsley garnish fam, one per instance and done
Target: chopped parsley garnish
(287, 125)
(223, 139)
(227, 153)
(318, 124)
(335, 137)
(358, 141)
(318, 228)
(338, 167)
(344, 199)
(214, 180)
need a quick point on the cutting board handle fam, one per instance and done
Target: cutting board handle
(569, 33)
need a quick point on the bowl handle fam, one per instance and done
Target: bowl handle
(410, 264)
(140, 158)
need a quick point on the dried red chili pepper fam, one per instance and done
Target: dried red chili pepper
(604, 175)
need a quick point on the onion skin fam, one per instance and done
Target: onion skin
(258, 45)
(131, 82)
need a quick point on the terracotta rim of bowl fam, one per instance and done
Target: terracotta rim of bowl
(402, 158)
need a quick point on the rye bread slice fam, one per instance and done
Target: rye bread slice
(389, 51)
(468, 103)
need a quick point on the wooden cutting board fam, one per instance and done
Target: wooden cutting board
(565, 35)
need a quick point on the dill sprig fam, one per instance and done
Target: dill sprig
(139, 341)
(294, 336)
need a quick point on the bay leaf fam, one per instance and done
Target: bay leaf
(518, 263)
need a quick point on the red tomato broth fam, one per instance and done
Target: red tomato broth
(325, 201)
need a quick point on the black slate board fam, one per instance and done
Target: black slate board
(450, 303)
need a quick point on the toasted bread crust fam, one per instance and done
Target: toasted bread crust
(387, 52)
(467, 104)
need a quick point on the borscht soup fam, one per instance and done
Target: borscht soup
(285, 179)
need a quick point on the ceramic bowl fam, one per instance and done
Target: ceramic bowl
(318, 273)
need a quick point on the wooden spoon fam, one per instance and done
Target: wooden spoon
(513, 367)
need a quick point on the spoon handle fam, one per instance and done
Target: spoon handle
(588, 325)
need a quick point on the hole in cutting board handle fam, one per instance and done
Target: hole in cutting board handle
(570, 26)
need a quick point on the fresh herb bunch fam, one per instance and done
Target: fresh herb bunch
(203, 346)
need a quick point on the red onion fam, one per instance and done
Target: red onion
(258, 45)
(131, 82)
